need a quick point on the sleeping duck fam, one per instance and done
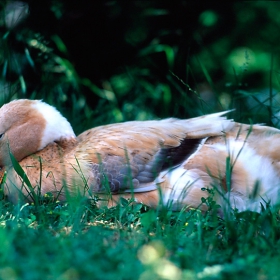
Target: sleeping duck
(171, 161)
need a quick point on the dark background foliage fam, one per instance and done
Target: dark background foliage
(107, 61)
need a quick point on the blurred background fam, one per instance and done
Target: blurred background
(104, 61)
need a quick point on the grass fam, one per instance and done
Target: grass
(77, 240)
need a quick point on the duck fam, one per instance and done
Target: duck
(179, 163)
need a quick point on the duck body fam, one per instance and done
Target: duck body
(169, 160)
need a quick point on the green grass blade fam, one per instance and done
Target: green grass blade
(24, 177)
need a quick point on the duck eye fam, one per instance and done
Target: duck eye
(1, 135)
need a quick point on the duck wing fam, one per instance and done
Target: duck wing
(129, 156)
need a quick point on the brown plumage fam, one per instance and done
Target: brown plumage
(179, 157)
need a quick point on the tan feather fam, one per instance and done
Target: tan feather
(181, 157)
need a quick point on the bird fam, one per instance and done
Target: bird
(178, 163)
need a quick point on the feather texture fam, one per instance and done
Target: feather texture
(179, 157)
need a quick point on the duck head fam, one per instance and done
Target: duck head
(27, 126)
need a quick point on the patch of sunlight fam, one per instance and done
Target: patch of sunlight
(210, 272)
(118, 115)
(168, 270)
(143, 115)
(148, 254)
(121, 83)
(225, 100)
(241, 58)
(162, 269)
(71, 273)
(208, 18)
(158, 267)
(246, 59)
(39, 45)
(8, 273)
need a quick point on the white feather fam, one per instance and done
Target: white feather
(57, 127)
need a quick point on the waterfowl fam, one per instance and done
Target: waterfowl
(171, 161)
